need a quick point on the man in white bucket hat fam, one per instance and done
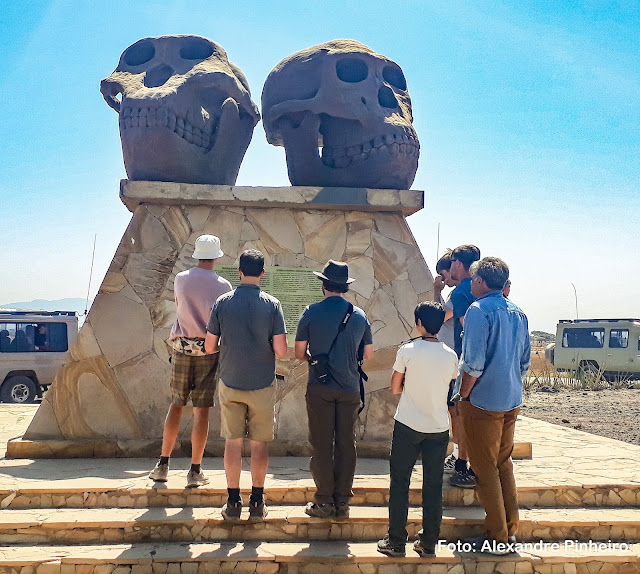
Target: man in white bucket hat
(193, 372)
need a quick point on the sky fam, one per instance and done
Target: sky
(528, 115)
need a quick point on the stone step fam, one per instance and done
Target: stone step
(290, 523)
(83, 494)
(306, 558)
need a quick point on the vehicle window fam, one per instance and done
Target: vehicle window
(619, 338)
(584, 338)
(33, 337)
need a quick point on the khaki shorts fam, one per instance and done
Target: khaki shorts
(247, 413)
(193, 378)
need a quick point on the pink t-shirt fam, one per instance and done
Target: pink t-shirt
(196, 290)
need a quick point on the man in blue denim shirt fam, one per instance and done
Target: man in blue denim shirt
(495, 356)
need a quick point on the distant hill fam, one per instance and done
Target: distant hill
(70, 304)
(542, 337)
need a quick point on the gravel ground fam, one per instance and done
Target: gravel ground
(614, 413)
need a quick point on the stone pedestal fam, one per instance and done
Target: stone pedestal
(112, 398)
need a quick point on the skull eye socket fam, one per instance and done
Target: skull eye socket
(386, 98)
(196, 49)
(394, 76)
(351, 70)
(139, 53)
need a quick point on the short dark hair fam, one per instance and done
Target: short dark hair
(252, 263)
(444, 263)
(431, 315)
(335, 287)
(493, 271)
(466, 254)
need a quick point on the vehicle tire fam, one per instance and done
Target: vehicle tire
(20, 390)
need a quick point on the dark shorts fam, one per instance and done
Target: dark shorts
(450, 394)
(194, 378)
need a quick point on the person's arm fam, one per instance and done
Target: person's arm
(467, 384)
(211, 343)
(368, 352)
(474, 349)
(525, 360)
(300, 350)
(438, 286)
(279, 343)
(397, 382)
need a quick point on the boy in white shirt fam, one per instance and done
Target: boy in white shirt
(422, 372)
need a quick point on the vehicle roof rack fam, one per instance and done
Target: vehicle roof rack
(597, 320)
(22, 313)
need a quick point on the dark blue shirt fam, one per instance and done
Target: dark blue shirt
(460, 298)
(246, 319)
(319, 325)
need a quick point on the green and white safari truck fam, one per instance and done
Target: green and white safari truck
(607, 346)
(33, 346)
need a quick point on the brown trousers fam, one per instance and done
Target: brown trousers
(490, 444)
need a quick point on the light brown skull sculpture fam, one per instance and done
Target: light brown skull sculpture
(353, 103)
(186, 112)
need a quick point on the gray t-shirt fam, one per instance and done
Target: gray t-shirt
(319, 324)
(246, 319)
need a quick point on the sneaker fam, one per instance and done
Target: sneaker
(257, 512)
(423, 550)
(463, 479)
(450, 464)
(342, 510)
(159, 472)
(320, 510)
(488, 545)
(231, 510)
(385, 547)
(195, 479)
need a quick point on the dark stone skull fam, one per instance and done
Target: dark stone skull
(353, 103)
(186, 112)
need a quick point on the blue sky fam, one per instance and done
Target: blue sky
(527, 112)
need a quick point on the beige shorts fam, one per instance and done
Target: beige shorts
(247, 413)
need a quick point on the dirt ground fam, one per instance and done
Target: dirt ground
(614, 413)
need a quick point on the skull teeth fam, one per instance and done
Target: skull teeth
(340, 157)
(164, 118)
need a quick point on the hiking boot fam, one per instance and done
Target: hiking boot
(342, 510)
(424, 550)
(195, 479)
(463, 479)
(385, 547)
(159, 472)
(320, 510)
(450, 464)
(257, 511)
(231, 510)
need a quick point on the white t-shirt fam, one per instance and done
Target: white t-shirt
(428, 368)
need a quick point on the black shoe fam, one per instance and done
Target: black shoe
(342, 510)
(257, 511)
(231, 510)
(320, 510)
(424, 550)
(385, 547)
(463, 479)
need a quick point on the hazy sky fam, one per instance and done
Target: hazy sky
(528, 115)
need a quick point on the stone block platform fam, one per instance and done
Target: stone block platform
(104, 516)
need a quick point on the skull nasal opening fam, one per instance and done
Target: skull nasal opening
(386, 98)
(158, 76)
(351, 70)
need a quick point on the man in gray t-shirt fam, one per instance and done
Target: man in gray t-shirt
(333, 400)
(249, 324)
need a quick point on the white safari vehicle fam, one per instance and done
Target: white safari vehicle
(607, 346)
(33, 346)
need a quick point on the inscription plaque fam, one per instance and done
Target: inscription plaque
(295, 287)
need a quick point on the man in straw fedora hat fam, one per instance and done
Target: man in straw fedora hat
(334, 336)
(193, 374)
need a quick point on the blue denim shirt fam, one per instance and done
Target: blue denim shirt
(496, 350)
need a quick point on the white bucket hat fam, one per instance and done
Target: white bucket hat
(207, 247)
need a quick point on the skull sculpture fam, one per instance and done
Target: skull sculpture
(354, 104)
(186, 112)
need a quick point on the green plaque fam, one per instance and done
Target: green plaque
(295, 287)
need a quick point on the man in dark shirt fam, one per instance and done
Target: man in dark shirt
(461, 298)
(333, 401)
(250, 325)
